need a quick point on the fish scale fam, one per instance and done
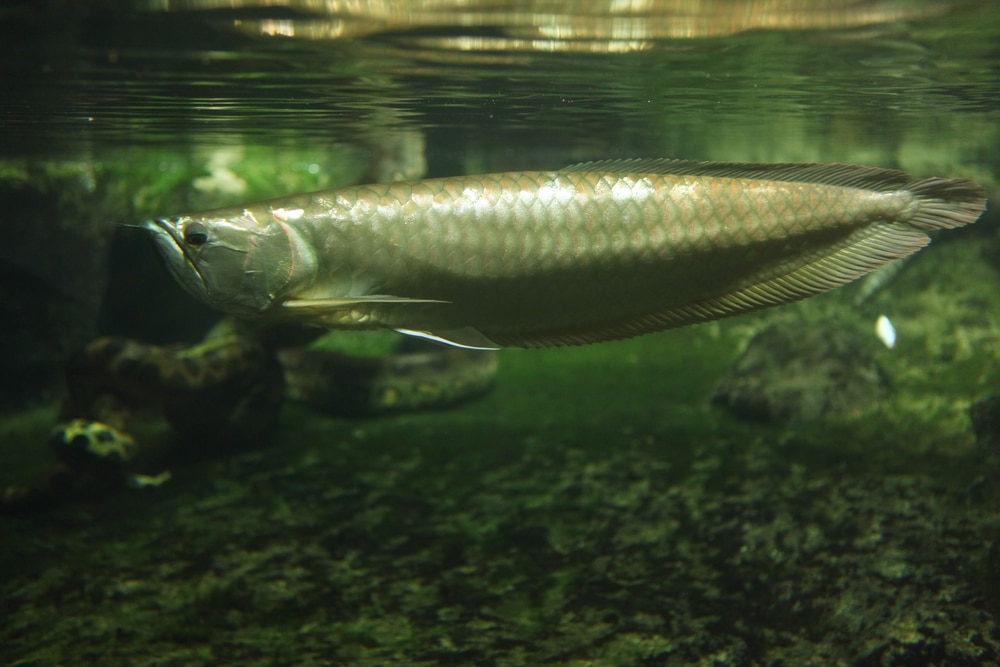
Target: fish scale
(592, 252)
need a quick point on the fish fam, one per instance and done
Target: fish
(593, 252)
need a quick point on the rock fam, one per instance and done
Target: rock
(985, 414)
(53, 270)
(796, 373)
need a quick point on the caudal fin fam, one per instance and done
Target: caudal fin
(946, 203)
(943, 204)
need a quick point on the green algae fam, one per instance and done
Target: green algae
(168, 181)
(591, 510)
(23, 436)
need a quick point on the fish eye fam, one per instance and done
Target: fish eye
(195, 235)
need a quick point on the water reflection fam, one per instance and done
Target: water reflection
(596, 79)
(558, 25)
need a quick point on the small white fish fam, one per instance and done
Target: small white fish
(885, 331)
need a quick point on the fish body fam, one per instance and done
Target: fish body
(592, 252)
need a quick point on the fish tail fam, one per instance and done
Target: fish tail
(945, 203)
(941, 203)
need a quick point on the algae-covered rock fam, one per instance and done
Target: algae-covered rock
(799, 373)
(53, 270)
(985, 415)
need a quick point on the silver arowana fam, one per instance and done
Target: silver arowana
(593, 252)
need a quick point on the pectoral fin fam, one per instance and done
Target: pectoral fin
(335, 312)
(338, 303)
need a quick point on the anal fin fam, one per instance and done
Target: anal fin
(858, 255)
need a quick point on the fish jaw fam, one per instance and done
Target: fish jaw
(232, 261)
(216, 270)
(170, 243)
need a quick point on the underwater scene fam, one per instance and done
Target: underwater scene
(643, 332)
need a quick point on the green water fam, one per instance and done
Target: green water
(595, 508)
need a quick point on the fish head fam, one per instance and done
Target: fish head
(230, 261)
